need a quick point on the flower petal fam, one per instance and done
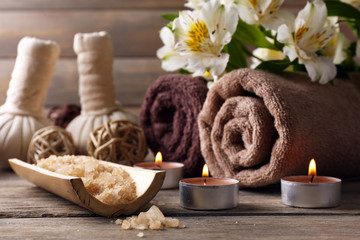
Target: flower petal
(220, 19)
(247, 13)
(167, 37)
(320, 69)
(269, 6)
(343, 44)
(182, 24)
(195, 4)
(284, 35)
(170, 59)
(274, 20)
(314, 14)
(290, 51)
(163, 51)
(220, 64)
(336, 48)
(209, 67)
(174, 63)
(212, 16)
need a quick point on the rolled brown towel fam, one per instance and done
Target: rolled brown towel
(169, 119)
(258, 127)
(62, 115)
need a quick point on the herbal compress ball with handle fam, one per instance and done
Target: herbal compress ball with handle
(22, 115)
(97, 96)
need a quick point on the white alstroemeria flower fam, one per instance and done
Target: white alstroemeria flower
(354, 3)
(171, 60)
(265, 54)
(311, 35)
(263, 12)
(202, 36)
(336, 48)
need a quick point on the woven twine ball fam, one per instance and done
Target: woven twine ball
(51, 140)
(119, 141)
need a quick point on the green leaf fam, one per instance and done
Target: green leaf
(249, 34)
(170, 16)
(340, 9)
(183, 71)
(274, 65)
(349, 64)
(237, 56)
(296, 66)
(278, 44)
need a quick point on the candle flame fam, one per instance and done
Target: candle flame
(205, 172)
(312, 168)
(158, 158)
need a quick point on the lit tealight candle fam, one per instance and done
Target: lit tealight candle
(173, 170)
(208, 193)
(311, 191)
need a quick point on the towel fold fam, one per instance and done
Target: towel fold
(257, 127)
(169, 119)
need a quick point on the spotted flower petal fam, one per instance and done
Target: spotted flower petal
(263, 12)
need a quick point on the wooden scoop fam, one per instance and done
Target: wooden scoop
(148, 183)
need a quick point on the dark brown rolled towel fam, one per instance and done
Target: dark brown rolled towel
(169, 119)
(258, 127)
(62, 115)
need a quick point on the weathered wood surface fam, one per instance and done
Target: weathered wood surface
(134, 32)
(209, 228)
(81, 4)
(113, 4)
(28, 211)
(132, 76)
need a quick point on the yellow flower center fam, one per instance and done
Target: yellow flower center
(300, 32)
(207, 74)
(254, 3)
(197, 34)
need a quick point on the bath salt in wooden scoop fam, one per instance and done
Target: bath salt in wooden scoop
(148, 183)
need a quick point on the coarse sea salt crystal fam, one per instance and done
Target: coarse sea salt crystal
(109, 184)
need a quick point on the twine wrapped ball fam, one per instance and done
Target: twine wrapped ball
(51, 140)
(119, 141)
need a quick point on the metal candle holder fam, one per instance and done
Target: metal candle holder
(209, 193)
(323, 192)
(173, 172)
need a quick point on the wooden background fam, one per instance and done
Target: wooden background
(133, 24)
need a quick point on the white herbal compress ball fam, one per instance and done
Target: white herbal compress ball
(22, 113)
(97, 94)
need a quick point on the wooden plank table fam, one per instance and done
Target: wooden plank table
(28, 212)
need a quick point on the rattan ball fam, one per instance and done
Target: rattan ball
(119, 141)
(51, 140)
